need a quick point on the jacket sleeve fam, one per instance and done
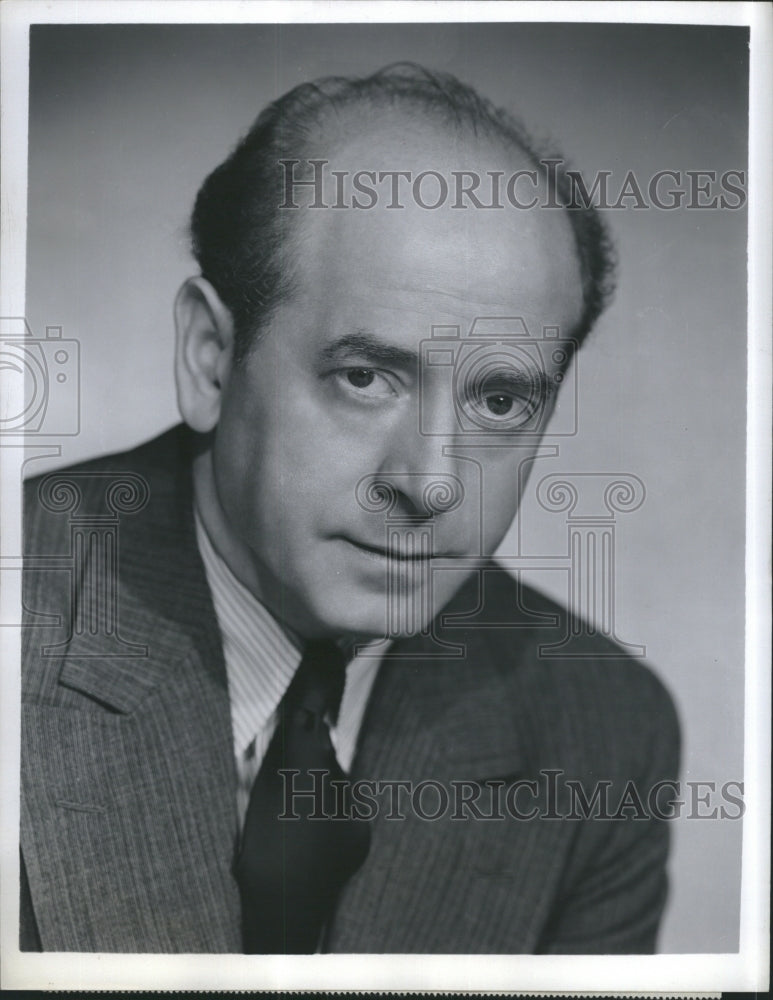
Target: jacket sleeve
(29, 938)
(616, 885)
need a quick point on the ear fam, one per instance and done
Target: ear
(204, 353)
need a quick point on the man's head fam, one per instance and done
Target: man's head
(241, 237)
(305, 352)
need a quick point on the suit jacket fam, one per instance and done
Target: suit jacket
(128, 827)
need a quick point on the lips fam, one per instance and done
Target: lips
(379, 552)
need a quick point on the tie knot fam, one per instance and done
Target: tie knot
(318, 683)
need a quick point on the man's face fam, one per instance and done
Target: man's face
(341, 394)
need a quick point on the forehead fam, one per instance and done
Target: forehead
(435, 265)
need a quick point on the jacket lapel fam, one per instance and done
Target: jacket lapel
(143, 785)
(482, 881)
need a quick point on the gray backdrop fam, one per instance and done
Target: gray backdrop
(126, 121)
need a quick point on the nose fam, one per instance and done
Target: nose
(419, 466)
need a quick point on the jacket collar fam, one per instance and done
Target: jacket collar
(163, 607)
(165, 616)
(161, 775)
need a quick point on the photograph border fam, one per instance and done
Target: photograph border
(746, 970)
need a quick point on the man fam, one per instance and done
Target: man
(347, 468)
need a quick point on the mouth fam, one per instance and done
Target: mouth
(397, 555)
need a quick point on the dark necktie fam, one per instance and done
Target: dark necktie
(290, 871)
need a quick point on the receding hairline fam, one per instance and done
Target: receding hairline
(315, 119)
(488, 152)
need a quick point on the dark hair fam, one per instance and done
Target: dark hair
(239, 234)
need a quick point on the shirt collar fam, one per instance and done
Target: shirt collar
(260, 655)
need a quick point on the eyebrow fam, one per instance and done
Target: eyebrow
(546, 386)
(370, 348)
(377, 352)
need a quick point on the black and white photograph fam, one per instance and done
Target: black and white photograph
(385, 457)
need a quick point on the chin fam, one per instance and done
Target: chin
(351, 621)
(368, 618)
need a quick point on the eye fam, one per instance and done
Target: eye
(500, 397)
(361, 378)
(365, 383)
(502, 400)
(499, 403)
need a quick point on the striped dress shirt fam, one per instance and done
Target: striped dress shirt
(261, 658)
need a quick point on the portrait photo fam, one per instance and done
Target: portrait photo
(384, 479)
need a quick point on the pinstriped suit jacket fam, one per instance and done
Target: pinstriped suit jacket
(128, 815)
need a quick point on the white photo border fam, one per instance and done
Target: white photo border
(746, 970)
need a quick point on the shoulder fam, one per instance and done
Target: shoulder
(101, 487)
(575, 692)
(156, 459)
(90, 530)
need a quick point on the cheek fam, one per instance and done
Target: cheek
(286, 485)
(237, 474)
(242, 461)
